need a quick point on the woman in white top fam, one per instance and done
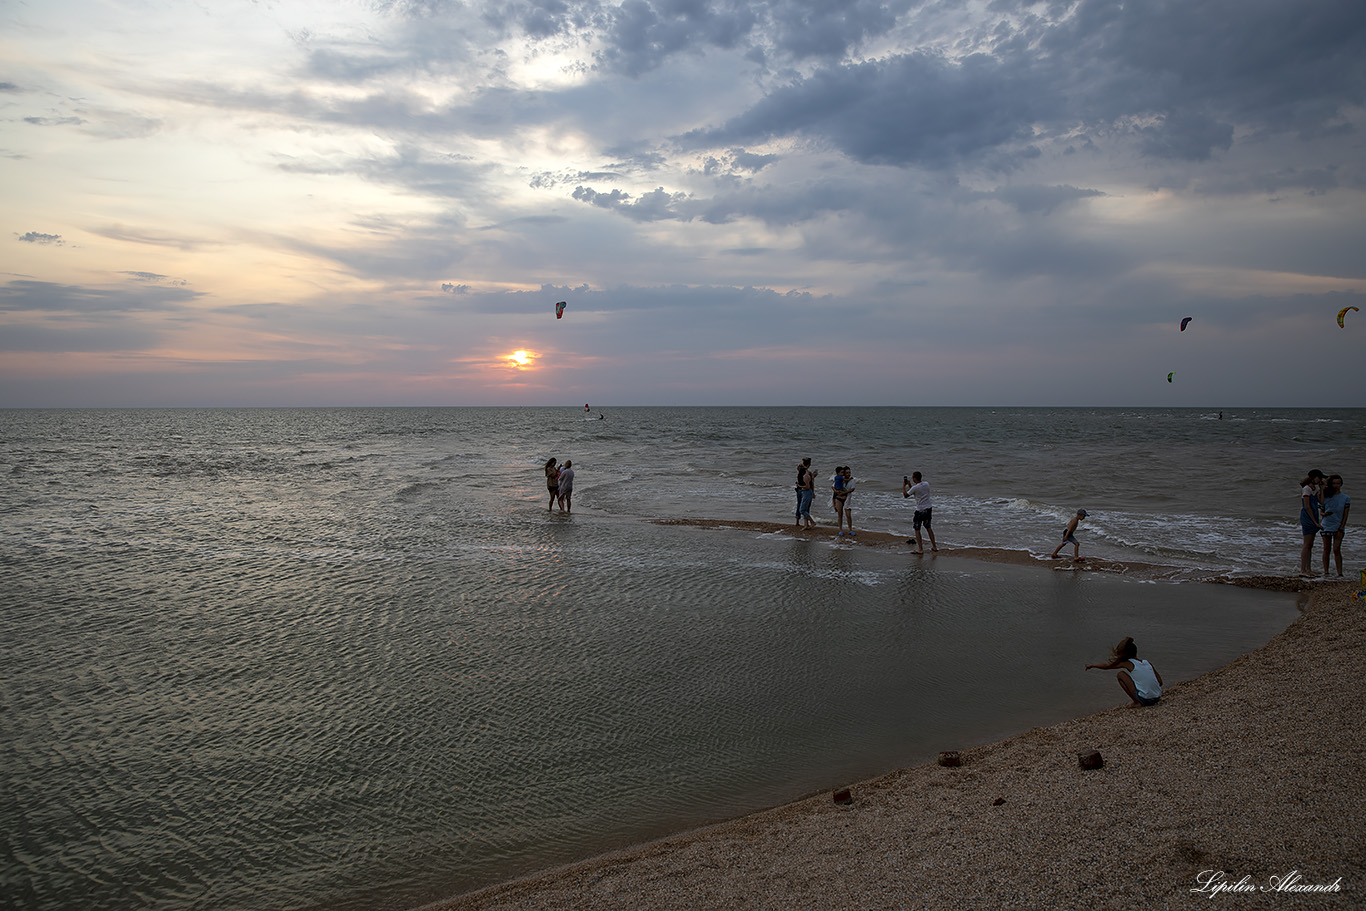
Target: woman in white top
(1311, 496)
(1139, 678)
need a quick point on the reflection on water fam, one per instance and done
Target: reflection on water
(208, 739)
(297, 659)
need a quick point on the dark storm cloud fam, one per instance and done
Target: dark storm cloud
(50, 297)
(911, 109)
(1179, 78)
(1268, 63)
(636, 36)
(655, 205)
(643, 33)
(750, 161)
(1029, 199)
(1311, 181)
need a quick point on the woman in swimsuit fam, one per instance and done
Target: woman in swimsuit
(552, 482)
(838, 495)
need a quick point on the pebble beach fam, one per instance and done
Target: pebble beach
(1245, 785)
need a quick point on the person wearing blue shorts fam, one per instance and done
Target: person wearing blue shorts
(1336, 506)
(1069, 536)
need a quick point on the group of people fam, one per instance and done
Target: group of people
(559, 480)
(1323, 513)
(842, 486)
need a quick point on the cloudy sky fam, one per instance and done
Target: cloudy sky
(353, 202)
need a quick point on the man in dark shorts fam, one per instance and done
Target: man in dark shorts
(924, 512)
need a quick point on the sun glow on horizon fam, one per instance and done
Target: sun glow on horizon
(521, 359)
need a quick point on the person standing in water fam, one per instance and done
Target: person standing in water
(844, 489)
(552, 482)
(1139, 679)
(1069, 536)
(1310, 490)
(1336, 505)
(567, 487)
(924, 510)
(806, 492)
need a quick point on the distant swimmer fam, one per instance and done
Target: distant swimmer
(1139, 679)
(1069, 536)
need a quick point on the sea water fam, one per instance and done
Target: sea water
(347, 658)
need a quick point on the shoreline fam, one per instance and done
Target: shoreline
(1255, 769)
(1131, 568)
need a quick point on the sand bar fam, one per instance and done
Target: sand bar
(1251, 777)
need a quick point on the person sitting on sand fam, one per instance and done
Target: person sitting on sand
(1139, 679)
(1069, 537)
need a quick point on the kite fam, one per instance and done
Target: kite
(1343, 312)
(1184, 322)
(559, 309)
(1169, 376)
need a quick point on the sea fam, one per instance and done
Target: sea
(347, 658)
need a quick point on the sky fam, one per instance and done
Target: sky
(763, 202)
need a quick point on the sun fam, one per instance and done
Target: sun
(521, 358)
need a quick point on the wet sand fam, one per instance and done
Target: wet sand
(1062, 563)
(1248, 778)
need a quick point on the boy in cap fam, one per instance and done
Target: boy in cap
(1069, 537)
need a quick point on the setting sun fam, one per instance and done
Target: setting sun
(521, 358)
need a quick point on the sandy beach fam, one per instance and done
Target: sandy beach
(1244, 786)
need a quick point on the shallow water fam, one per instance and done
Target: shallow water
(283, 659)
